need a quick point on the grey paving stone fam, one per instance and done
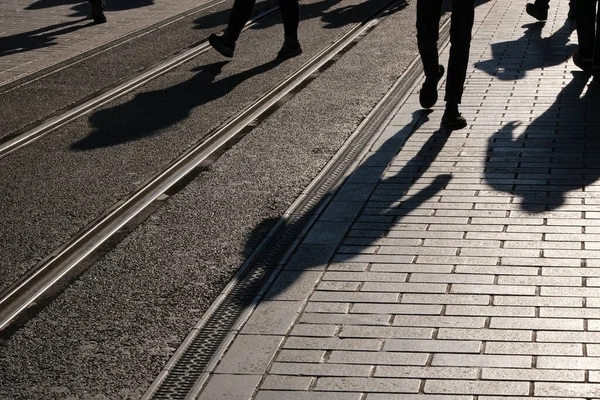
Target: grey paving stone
(310, 257)
(485, 334)
(570, 291)
(429, 298)
(306, 343)
(365, 276)
(281, 382)
(354, 192)
(433, 346)
(564, 349)
(357, 331)
(530, 374)
(538, 301)
(561, 324)
(314, 330)
(481, 360)
(330, 233)
(293, 285)
(493, 289)
(439, 321)
(392, 385)
(362, 258)
(328, 369)
(427, 372)
(378, 358)
(338, 286)
(540, 280)
(327, 307)
(404, 287)
(249, 354)
(382, 396)
(551, 362)
(341, 211)
(344, 319)
(395, 309)
(411, 268)
(477, 387)
(230, 387)
(312, 395)
(457, 260)
(588, 313)
(490, 311)
(367, 296)
(566, 389)
(570, 337)
(272, 318)
(348, 267)
(301, 355)
(583, 272)
(451, 278)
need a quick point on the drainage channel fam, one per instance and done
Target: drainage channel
(186, 374)
(59, 269)
(30, 134)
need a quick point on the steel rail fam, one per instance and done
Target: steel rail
(38, 284)
(42, 129)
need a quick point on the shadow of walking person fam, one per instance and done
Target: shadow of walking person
(506, 62)
(150, 113)
(399, 196)
(555, 157)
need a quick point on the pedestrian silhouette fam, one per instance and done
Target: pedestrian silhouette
(587, 56)
(97, 13)
(539, 9)
(240, 14)
(428, 21)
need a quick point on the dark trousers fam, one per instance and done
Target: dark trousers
(588, 30)
(242, 11)
(428, 22)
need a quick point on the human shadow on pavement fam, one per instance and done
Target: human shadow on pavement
(558, 153)
(508, 63)
(82, 8)
(149, 113)
(39, 38)
(402, 199)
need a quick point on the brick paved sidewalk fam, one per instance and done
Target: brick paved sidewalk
(35, 34)
(468, 267)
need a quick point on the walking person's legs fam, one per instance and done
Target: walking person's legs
(97, 13)
(240, 14)
(428, 21)
(586, 32)
(290, 14)
(463, 14)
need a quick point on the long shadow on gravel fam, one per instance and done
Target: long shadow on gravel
(398, 204)
(542, 52)
(558, 153)
(149, 113)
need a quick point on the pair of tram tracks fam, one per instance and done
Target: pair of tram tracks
(53, 274)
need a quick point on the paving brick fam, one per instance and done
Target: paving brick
(565, 349)
(583, 272)
(396, 309)
(571, 337)
(438, 269)
(343, 319)
(439, 321)
(570, 291)
(451, 278)
(249, 354)
(378, 358)
(382, 396)
(529, 374)
(540, 280)
(490, 311)
(365, 276)
(230, 387)
(481, 360)
(493, 289)
(332, 344)
(570, 313)
(392, 385)
(293, 285)
(485, 334)
(373, 258)
(280, 382)
(327, 307)
(476, 387)
(348, 267)
(314, 330)
(357, 331)
(404, 287)
(561, 324)
(301, 355)
(538, 301)
(363, 297)
(495, 270)
(550, 362)
(566, 389)
(310, 257)
(418, 298)
(338, 286)
(312, 395)
(329, 369)
(433, 346)
(541, 262)
(435, 251)
(272, 318)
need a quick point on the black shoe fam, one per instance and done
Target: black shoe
(291, 48)
(571, 14)
(452, 118)
(222, 44)
(537, 12)
(584, 65)
(429, 95)
(97, 11)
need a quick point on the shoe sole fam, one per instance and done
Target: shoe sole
(289, 55)
(224, 51)
(423, 103)
(455, 126)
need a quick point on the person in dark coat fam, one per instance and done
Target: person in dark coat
(539, 9)
(428, 22)
(240, 14)
(587, 56)
(97, 13)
